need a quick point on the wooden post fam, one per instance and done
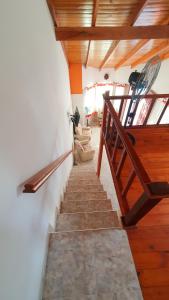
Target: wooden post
(158, 191)
(143, 205)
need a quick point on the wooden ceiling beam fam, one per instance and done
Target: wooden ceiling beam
(52, 12)
(111, 33)
(137, 12)
(56, 24)
(95, 11)
(133, 18)
(88, 54)
(109, 52)
(94, 18)
(136, 48)
(157, 50)
(164, 56)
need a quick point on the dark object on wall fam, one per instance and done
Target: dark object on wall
(75, 118)
(106, 76)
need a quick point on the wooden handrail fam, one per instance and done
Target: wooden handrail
(37, 180)
(139, 169)
(114, 136)
(148, 96)
(130, 116)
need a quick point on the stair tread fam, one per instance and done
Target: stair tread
(87, 220)
(85, 195)
(84, 181)
(82, 175)
(87, 187)
(88, 205)
(91, 264)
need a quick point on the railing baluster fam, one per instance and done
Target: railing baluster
(129, 182)
(115, 148)
(134, 112)
(149, 111)
(101, 140)
(121, 162)
(108, 126)
(120, 109)
(114, 132)
(103, 126)
(127, 115)
(163, 111)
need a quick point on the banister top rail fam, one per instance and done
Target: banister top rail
(140, 171)
(114, 136)
(152, 96)
(36, 181)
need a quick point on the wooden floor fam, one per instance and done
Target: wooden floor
(149, 241)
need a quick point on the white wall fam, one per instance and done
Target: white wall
(34, 130)
(92, 75)
(161, 84)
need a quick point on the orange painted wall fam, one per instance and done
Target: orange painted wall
(75, 74)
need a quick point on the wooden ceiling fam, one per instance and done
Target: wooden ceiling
(111, 13)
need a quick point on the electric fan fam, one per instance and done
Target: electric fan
(141, 84)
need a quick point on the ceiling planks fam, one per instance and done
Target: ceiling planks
(132, 19)
(157, 50)
(137, 48)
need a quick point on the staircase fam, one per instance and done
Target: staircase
(87, 258)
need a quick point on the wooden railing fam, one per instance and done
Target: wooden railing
(152, 100)
(36, 181)
(119, 149)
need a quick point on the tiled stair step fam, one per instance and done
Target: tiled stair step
(84, 181)
(83, 177)
(94, 264)
(82, 171)
(87, 220)
(84, 188)
(85, 206)
(85, 196)
(83, 174)
(79, 168)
